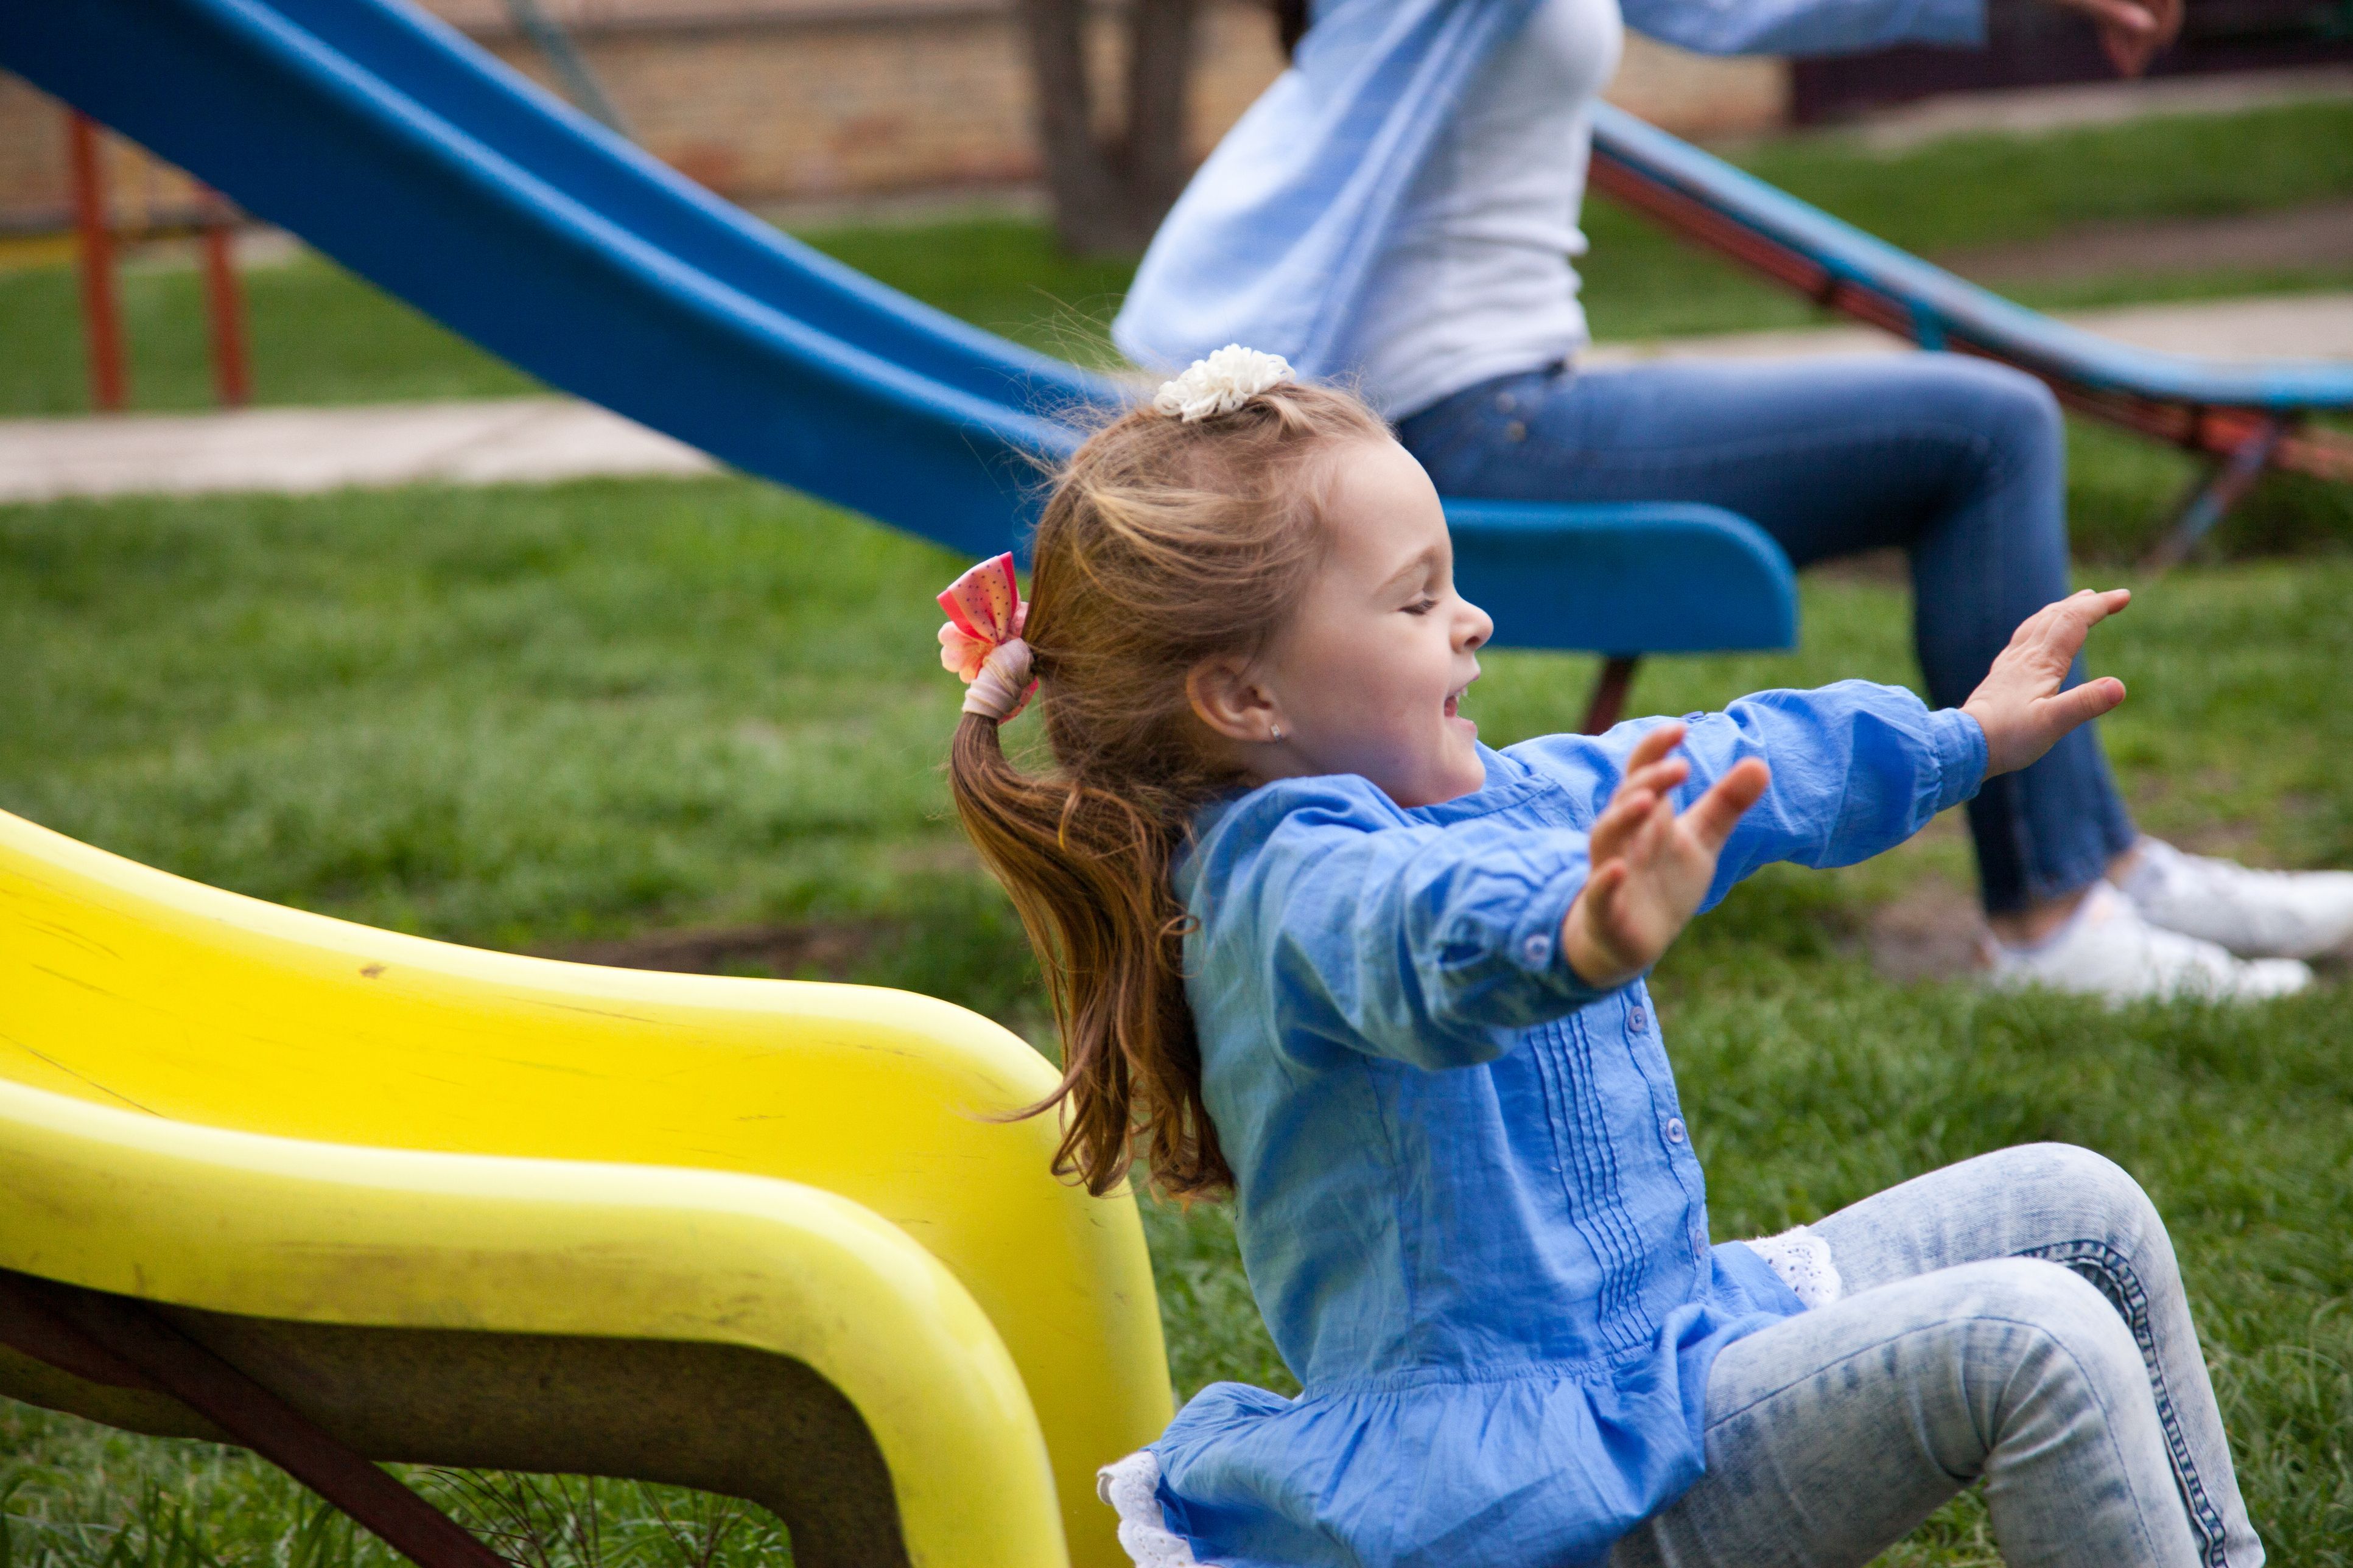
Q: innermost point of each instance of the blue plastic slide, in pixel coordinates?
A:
(391, 143)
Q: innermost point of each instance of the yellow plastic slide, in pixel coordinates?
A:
(764, 1238)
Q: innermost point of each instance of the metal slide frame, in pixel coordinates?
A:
(2243, 415)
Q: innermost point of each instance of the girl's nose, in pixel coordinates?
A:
(1477, 627)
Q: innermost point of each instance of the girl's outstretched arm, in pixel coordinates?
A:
(1652, 868)
(1324, 905)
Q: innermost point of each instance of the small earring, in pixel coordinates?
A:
(1274, 734)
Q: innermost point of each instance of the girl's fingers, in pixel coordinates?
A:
(1657, 823)
(1715, 813)
(2083, 704)
(1653, 745)
(1659, 777)
(1614, 830)
(2075, 617)
(1600, 896)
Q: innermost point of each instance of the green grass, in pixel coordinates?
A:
(78, 1493)
(516, 717)
(1987, 189)
(527, 717)
(320, 336)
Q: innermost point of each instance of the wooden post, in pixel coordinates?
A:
(224, 303)
(102, 314)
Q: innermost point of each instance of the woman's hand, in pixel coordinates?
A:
(1649, 867)
(2132, 31)
(2019, 704)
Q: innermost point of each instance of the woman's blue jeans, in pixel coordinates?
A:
(1960, 462)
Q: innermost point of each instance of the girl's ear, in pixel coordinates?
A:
(1226, 697)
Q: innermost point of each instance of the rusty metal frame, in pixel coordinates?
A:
(2246, 440)
(121, 1342)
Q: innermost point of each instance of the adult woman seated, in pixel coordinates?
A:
(1400, 209)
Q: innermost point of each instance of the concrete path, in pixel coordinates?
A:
(295, 451)
(541, 439)
(2283, 326)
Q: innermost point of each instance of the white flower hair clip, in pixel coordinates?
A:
(1221, 384)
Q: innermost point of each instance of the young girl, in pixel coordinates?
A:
(1311, 944)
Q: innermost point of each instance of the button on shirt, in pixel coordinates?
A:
(1465, 1195)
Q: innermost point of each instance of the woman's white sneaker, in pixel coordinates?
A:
(2106, 948)
(2255, 914)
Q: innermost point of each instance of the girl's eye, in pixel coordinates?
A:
(1422, 606)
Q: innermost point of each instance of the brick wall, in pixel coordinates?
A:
(775, 101)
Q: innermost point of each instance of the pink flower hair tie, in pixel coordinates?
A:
(981, 641)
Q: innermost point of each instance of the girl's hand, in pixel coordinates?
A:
(1650, 867)
(2019, 704)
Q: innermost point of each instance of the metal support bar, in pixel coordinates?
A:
(225, 304)
(1607, 703)
(580, 83)
(2211, 499)
(116, 1340)
(2322, 453)
(101, 311)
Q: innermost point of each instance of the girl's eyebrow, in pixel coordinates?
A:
(1419, 563)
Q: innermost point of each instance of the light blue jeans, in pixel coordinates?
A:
(1960, 462)
(2016, 1319)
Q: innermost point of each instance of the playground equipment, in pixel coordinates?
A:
(2246, 416)
(331, 1192)
(392, 144)
(102, 314)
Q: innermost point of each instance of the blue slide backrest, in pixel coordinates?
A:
(1663, 578)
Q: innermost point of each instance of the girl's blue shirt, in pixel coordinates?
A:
(1465, 1192)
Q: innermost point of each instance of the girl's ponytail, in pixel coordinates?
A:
(1173, 537)
(1088, 872)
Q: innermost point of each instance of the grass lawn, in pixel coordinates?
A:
(538, 718)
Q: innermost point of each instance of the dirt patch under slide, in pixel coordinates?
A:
(828, 951)
(1929, 933)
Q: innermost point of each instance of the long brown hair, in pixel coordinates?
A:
(1164, 544)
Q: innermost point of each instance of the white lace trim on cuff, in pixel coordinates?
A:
(1132, 1485)
(1803, 1259)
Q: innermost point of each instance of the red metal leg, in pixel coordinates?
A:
(101, 315)
(2211, 499)
(115, 1341)
(1607, 703)
(225, 305)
